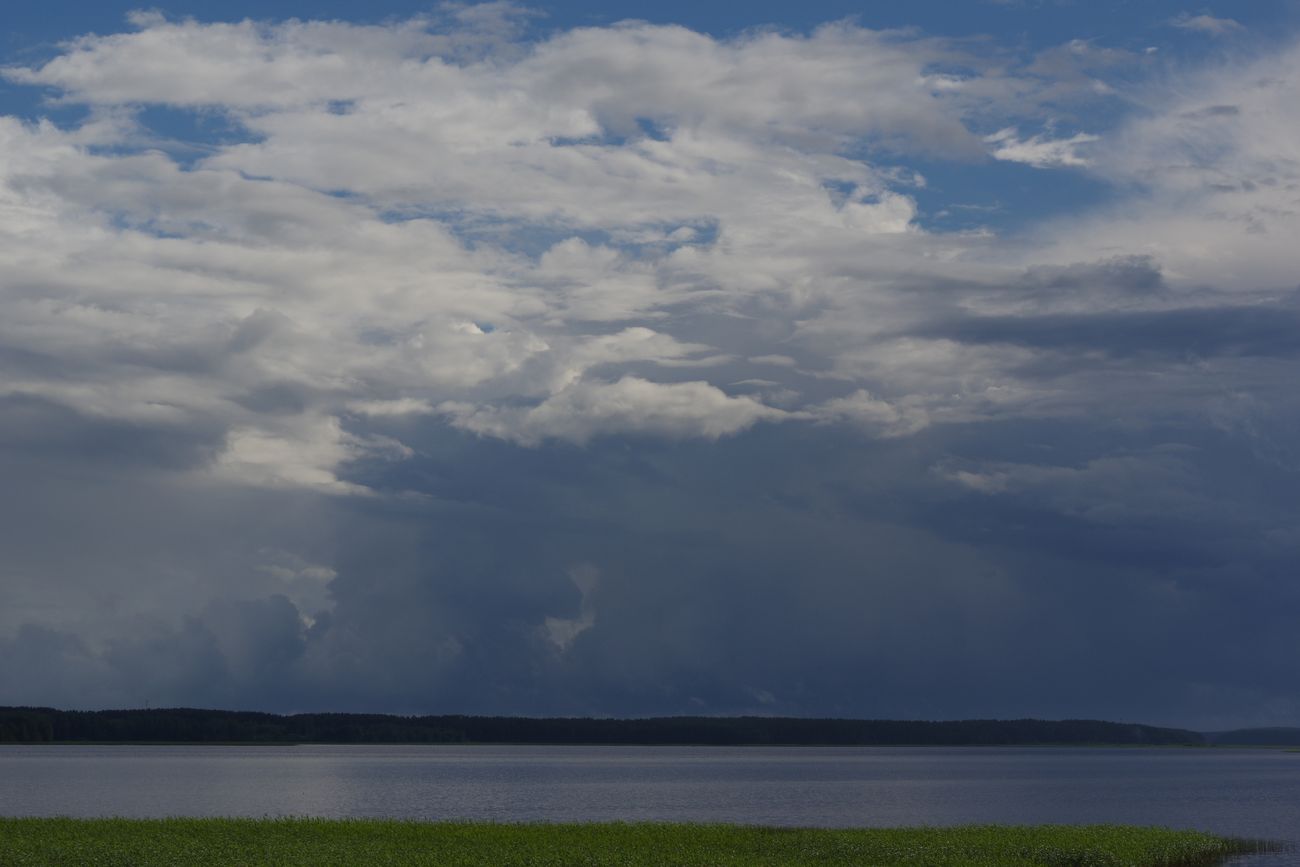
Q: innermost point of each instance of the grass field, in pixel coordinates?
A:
(110, 842)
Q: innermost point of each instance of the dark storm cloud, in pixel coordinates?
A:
(835, 586)
(1271, 331)
(50, 430)
(848, 581)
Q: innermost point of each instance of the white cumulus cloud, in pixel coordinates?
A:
(1040, 151)
(628, 406)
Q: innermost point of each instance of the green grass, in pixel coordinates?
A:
(111, 842)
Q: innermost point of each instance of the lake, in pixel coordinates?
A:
(1240, 792)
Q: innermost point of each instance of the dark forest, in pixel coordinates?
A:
(189, 725)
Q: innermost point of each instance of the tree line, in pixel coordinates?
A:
(191, 725)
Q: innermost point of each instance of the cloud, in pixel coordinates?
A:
(1039, 151)
(1205, 333)
(305, 456)
(624, 370)
(874, 414)
(298, 65)
(379, 208)
(1207, 24)
(1212, 178)
(628, 406)
(401, 406)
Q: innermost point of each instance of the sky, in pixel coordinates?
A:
(930, 360)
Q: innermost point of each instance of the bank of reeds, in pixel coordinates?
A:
(319, 842)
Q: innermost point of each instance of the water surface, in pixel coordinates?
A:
(1247, 793)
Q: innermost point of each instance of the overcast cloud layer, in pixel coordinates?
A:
(435, 366)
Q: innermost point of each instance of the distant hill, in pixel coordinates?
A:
(190, 725)
(1262, 737)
